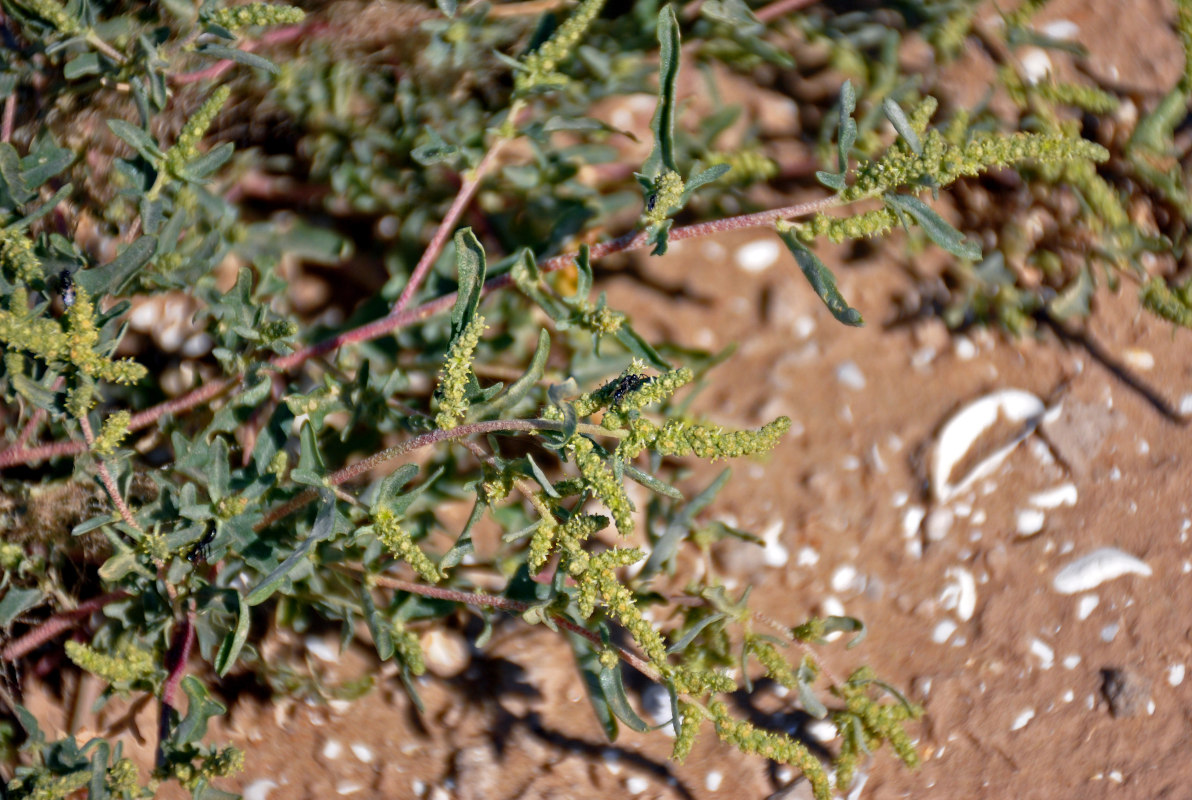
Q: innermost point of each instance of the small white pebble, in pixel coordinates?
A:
(321, 650)
(1064, 29)
(803, 326)
(964, 348)
(843, 578)
(347, 787)
(807, 557)
(943, 629)
(898, 499)
(1115, 776)
(418, 786)
(960, 593)
(822, 730)
(912, 518)
(979, 517)
(758, 256)
(1029, 521)
(850, 375)
(922, 357)
(832, 607)
(636, 785)
(712, 780)
(612, 761)
(1036, 65)
(1071, 661)
(1175, 674)
(774, 554)
(1085, 606)
(1110, 632)
(656, 703)
(939, 522)
(362, 752)
(1186, 405)
(1062, 495)
(259, 789)
(1024, 716)
(1043, 652)
(1068, 696)
(332, 749)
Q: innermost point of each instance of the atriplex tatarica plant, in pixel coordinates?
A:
(279, 473)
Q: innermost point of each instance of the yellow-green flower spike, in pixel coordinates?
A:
(56, 14)
(16, 254)
(256, 15)
(600, 479)
(127, 664)
(186, 146)
(115, 428)
(541, 65)
(668, 193)
(398, 542)
(775, 746)
(453, 380)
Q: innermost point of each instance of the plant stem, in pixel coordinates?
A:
(386, 325)
(418, 442)
(467, 191)
(176, 659)
(512, 606)
(105, 477)
(57, 624)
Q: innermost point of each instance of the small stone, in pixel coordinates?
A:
(1126, 691)
(446, 652)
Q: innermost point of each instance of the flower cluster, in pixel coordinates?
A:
(540, 67)
(186, 146)
(124, 666)
(453, 380)
(256, 15)
(16, 255)
(398, 541)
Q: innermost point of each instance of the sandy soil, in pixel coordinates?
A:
(1022, 683)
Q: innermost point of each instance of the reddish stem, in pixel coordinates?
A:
(10, 116)
(396, 321)
(176, 660)
(105, 477)
(466, 191)
(777, 9)
(56, 625)
(513, 606)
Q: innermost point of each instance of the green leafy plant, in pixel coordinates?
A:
(285, 469)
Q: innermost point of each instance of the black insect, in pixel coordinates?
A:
(202, 549)
(651, 201)
(627, 384)
(67, 287)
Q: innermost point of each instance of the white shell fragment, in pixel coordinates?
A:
(1093, 569)
(1024, 716)
(963, 430)
(960, 594)
(1062, 495)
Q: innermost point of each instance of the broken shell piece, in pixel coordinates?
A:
(962, 431)
(1095, 568)
(960, 594)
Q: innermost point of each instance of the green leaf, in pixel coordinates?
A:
(16, 602)
(80, 65)
(662, 157)
(390, 489)
(323, 528)
(936, 227)
(205, 165)
(233, 643)
(902, 125)
(652, 483)
(378, 626)
(114, 276)
(1075, 300)
(239, 56)
(689, 635)
(38, 395)
(435, 151)
(463, 544)
(137, 139)
(201, 708)
(10, 173)
(588, 661)
(518, 390)
(705, 177)
(44, 208)
(470, 266)
(639, 347)
(820, 277)
(448, 7)
(846, 132)
(47, 162)
(614, 694)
